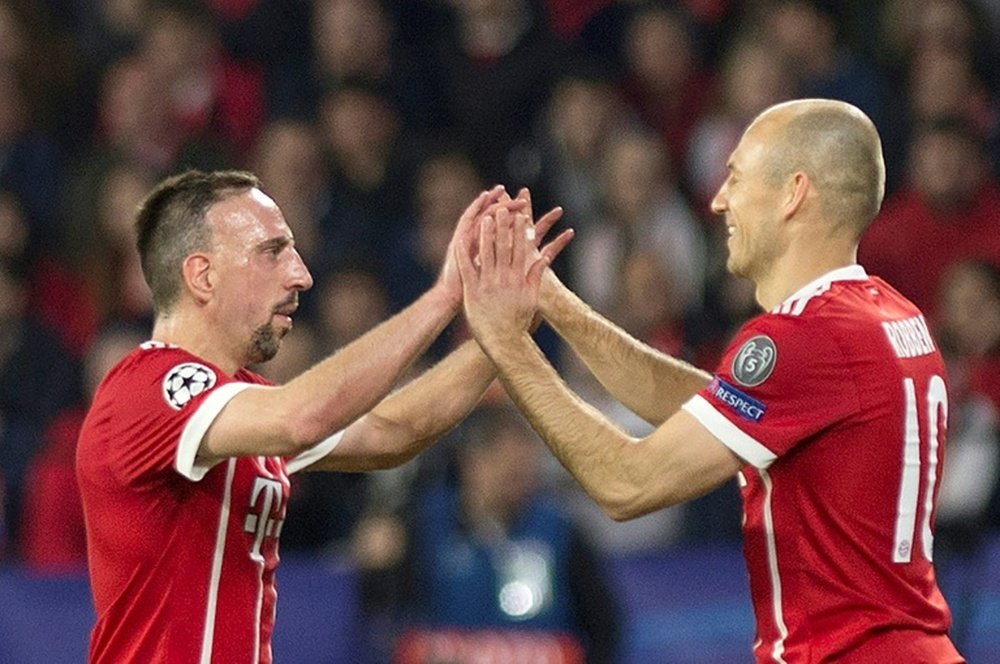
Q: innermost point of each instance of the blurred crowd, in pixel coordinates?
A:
(373, 123)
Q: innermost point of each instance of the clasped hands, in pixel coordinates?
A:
(501, 267)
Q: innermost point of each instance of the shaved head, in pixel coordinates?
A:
(837, 146)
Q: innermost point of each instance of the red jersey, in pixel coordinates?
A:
(182, 554)
(838, 403)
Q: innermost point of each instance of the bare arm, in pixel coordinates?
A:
(410, 419)
(289, 419)
(627, 477)
(651, 384)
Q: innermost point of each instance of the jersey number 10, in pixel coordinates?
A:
(935, 409)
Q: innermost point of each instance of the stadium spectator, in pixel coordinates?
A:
(823, 479)
(38, 378)
(494, 552)
(585, 112)
(969, 501)
(53, 538)
(496, 62)
(445, 178)
(370, 165)
(752, 76)
(948, 210)
(665, 79)
(645, 209)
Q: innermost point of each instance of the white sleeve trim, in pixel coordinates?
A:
(730, 435)
(186, 461)
(315, 453)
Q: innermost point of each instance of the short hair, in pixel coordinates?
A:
(838, 147)
(170, 224)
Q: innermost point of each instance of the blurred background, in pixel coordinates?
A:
(373, 123)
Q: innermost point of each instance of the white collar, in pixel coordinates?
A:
(853, 272)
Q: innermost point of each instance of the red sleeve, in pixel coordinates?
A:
(147, 406)
(781, 381)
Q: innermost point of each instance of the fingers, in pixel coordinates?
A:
(520, 239)
(504, 238)
(555, 247)
(463, 258)
(545, 224)
(487, 243)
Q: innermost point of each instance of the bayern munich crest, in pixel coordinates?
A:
(186, 381)
(754, 361)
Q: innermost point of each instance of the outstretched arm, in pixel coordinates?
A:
(406, 422)
(289, 419)
(651, 384)
(626, 476)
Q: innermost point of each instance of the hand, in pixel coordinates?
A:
(466, 232)
(541, 228)
(501, 294)
(545, 224)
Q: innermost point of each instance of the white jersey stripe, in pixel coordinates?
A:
(186, 460)
(257, 611)
(730, 435)
(315, 453)
(796, 303)
(778, 649)
(208, 635)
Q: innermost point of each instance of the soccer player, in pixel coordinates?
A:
(185, 456)
(830, 408)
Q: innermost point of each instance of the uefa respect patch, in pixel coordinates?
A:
(186, 381)
(737, 400)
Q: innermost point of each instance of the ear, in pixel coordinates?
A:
(796, 191)
(199, 277)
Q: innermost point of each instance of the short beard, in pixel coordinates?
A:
(264, 344)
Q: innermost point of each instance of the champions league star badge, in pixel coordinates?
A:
(186, 381)
(754, 361)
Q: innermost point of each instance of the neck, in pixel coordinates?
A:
(195, 336)
(794, 270)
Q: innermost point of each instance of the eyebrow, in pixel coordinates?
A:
(274, 243)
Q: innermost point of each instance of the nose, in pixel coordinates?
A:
(719, 203)
(300, 279)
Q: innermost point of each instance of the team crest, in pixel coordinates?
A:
(185, 382)
(754, 361)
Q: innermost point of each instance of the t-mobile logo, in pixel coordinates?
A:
(265, 513)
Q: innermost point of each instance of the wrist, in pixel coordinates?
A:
(448, 298)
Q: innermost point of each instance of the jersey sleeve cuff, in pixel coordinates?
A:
(742, 444)
(315, 453)
(187, 462)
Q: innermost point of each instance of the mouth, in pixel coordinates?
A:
(285, 310)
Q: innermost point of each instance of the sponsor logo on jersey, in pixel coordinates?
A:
(754, 361)
(737, 400)
(186, 381)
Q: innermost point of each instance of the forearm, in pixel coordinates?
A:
(607, 462)
(329, 396)
(353, 380)
(409, 420)
(651, 384)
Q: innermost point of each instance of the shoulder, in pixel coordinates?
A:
(167, 372)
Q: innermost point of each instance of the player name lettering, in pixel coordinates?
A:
(909, 337)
